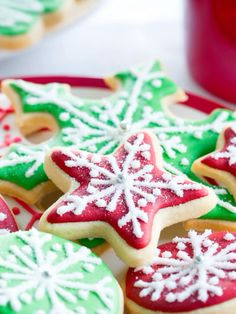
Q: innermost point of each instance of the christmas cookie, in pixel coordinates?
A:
(85, 124)
(193, 275)
(126, 197)
(7, 220)
(26, 215)
(43, 274)
(220, 165)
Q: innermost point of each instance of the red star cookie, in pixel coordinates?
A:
(193, 275)
(7, 221)
(220, 165)
(126, 197)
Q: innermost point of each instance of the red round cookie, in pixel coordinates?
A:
(186, 274)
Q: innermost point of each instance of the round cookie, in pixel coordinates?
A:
(125, 197)
(194, 275)
(43, 274)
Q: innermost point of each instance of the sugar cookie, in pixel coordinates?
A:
(43, 274)
(77, 122)
(125, 197)
(191, 275)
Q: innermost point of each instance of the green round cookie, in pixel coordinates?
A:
(44, 274)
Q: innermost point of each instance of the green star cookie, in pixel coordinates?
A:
(43, 274)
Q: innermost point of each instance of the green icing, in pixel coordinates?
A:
(101, 125)
(18, 17)
(41, 273)
(91, 243)
(51, 5)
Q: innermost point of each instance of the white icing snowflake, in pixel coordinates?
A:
(31, 274)
(229, 153)
(185, 276)
(116, 118)
(128, 181)
(25, 155)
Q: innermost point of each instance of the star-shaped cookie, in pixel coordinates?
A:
(125, 197)
(220, 165)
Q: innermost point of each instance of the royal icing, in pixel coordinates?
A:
(43, 274)
(7, 221)
(100, 126)
(225, 158)
(25, 215)
(125, 189)
(190, 273)
(18, 17)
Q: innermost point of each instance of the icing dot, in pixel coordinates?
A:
(2, 216)
(157, 192)
(184, 162)
(147, 95)
(170, 297)
(6, 127)
(156, 83)
(197, 134)
(16, 211)
(232, 275)
(124, 125)
(207, 243)
(229, 237)
(135, 164)
(181, 246)
(64, 116)
(184, 281)
(56, 247)
(96, 159)
(94, 173)
(157, 276)
(101, 203)
(166, 254)
(91, 189)
(142, 202)
(214, 280)
(171, 285)
(146, 155)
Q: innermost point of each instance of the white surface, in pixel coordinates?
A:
(121, 33)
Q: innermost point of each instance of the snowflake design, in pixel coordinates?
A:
(189, 274)
(25, 155)
(229, 153)
(131, 182)
(37, 275)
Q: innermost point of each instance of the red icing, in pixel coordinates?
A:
(95, 213)
(36, 215)
(16, 211)
(222, 163)
(6, 127)
(9, 222)
(192, 303)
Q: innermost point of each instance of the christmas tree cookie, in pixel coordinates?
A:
(196, 274)
(125, 197)
(43, 274)
(77, 122)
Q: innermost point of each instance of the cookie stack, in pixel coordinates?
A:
(126, 168)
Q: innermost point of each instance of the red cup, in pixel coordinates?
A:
(211, 45)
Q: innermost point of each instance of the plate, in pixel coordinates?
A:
(94, 88)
